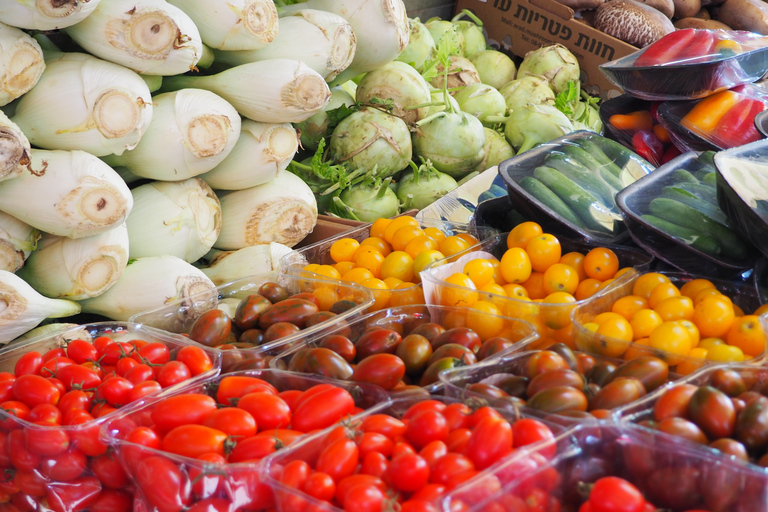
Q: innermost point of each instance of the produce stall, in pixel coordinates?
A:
(371, 256)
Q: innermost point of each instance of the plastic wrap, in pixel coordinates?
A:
(232, 485)
(499, 214)
(549, 319)
(458, 205)
(686, 243)
(293, 263)
(749, 379)
(459, 384)
(634, 123)
(760, 278)
(721, 121)
(404, 319)
(671, 474)
(180, 316)
(289, 499)
(68, 468)
(691, 64)
(741, 294)
(742, 190)
(586, 171)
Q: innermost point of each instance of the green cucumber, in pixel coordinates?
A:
(707, 158)
(705, 192)
(702, 242)
(691, 218)
(683, 176)
(612, 181)
(705, 207)
(589, 161)
(710, 179)
(585, 177)
(608, 160)
(580, 201)
(540, 191)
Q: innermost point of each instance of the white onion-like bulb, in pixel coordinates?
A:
(45, 14)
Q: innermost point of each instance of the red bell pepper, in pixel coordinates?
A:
(737, 126)
(665, 49)
(679, 46)
(647, 145)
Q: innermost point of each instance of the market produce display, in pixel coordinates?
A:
(593, 342)
(560, 381)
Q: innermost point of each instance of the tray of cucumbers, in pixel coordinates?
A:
(573, 180)
(673, 213)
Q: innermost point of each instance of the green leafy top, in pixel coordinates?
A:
(336, 115)
(564, 100)
(447, 46)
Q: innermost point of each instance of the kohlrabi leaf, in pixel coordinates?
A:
(564, 100)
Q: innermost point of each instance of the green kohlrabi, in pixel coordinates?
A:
(372, 138)
(494, 67)
(367, 201)
(421, 45)
(317, 126)
(471, 32)
(527, 90)
(496, 148)
(556, 63)
(423, 186)
(530, 125)
(401, 83)
(482, 101)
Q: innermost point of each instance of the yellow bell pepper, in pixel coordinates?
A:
(706, 114)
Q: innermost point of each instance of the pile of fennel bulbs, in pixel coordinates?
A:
(404, 134)
(144, 143)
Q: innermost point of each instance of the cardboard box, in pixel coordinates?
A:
(519, 26)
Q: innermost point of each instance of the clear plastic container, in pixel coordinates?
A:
(180, 316)
(586, 171)
(458, 206)
(289, 499)
(639, 131)
(742, 295)
(671, 474)
(721, 121)
(233, 485)
(742, 190)
(760, 278)
(67, 464)
(682, 180)
(319, 253)
(754, 378)
(458, 384)
(405, 318)
(551, 320)
(690, 64)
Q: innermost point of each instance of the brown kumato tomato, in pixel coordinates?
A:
(212, 328)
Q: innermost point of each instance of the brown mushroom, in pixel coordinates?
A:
(700, 23)
(632, 22)
(749, 15)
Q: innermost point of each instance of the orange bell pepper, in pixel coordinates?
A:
(706, 114)
(632, 122)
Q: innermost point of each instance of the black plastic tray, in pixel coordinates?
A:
(760, 279)
(744, 218)
(518, 167)
(623, 104)
(686, 81)
(670, 113)
(633, 202)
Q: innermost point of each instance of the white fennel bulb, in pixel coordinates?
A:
(228, 266)
(283, 210)
(45, 14)
(21, 63)
(268, 91)
(180, 218)
(381, 28)
(81, 102)
(322, 40)
(77, 268)
(148, 36)
(17, 241)
(72, 194)
(234, 24)
(192, 131)
(22, 308)
(149, 283)
(14, 149)
(262, 152)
